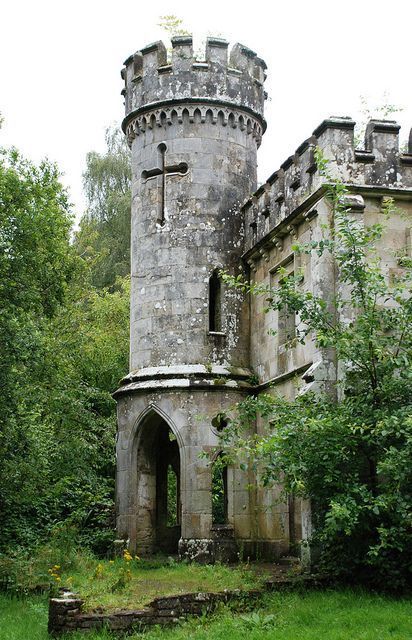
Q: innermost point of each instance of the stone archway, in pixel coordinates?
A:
(157, 490)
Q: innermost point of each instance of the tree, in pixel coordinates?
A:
(85, 356)
(104, 234)
(351, 458)
(36, 266)
(63, 350)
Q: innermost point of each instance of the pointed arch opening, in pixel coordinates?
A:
(158, 494)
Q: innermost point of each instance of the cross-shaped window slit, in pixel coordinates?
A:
(160, 172)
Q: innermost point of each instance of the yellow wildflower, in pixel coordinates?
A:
(127, 556)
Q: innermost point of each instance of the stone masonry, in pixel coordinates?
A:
(194, 128)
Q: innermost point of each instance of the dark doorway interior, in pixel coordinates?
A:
(168, 506)
(158, 503)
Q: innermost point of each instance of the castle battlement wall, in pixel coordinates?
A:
(226, 80)
(291, 188)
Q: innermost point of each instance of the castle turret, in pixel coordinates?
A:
(194, 128)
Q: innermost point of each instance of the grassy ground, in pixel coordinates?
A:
(327, 615)
(131, 584)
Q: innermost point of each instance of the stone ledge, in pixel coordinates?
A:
(194, 376)
(185, 370)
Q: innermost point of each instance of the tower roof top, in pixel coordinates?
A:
(234, 78)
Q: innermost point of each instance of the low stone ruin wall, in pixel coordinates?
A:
(65, 613)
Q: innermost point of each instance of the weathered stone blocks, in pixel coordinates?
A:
(194, 128)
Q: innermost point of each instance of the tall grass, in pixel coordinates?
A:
(315, 615)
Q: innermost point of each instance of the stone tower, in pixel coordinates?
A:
(194, 128)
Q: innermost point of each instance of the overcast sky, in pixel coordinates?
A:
(60, 67)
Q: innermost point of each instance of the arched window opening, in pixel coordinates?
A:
(219, 491)
(172, 498)
(215, 303)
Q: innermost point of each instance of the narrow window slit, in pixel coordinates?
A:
(215, 303)
(219, 492)
(172, 497)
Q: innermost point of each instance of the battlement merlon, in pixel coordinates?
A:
(380, 166)
(232, 79)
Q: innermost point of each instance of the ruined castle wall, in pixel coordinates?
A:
(194, 128)
(270, 357)
(291, 207)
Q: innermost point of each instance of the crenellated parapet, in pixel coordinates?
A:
(226, 88)
(291, 190)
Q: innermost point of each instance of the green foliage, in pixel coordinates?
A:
(130, 582)
(172, 493)
(258, 620)
(350, 458)
(103, 238)
(172, 25)
(23, 572)
(218, 491)
(36, 266)
(65, 472)
(64, 347)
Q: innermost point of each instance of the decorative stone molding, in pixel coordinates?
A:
(194, 112)
(198, 376)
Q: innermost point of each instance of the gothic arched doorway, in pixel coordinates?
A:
(158, 504)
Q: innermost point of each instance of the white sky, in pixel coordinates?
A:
(60, 67)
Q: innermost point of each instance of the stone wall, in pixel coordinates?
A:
(65, 613)
(292, 191)
(291, 208)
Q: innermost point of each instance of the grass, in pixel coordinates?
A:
(100, 583)
(314, 615)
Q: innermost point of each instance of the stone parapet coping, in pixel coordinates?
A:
(195, 376)
(186, 370)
